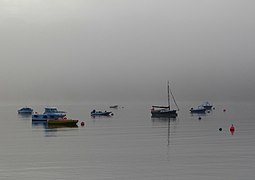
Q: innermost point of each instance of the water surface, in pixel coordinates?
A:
(130, 145)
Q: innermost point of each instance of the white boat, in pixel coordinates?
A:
(207, 105)
(50, 113)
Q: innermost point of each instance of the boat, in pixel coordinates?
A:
(51, 113)
(114, 106)
(101, 113)
(62, 122)
(198, 110)
(25, 110)
(165, 111)
(53, 124)
(207, 105)
(54, 110)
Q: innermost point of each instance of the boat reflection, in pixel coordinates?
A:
(54, 126)
(24, 116)
(51, 130)
(170, 123)
(162, 120)
(198, 114)
(38, 124)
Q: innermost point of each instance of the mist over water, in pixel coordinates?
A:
(76, 51)
(83, 55)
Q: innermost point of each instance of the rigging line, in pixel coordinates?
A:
(174, 100)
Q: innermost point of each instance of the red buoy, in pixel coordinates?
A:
(232, 129)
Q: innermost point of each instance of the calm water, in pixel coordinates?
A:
(130, 145)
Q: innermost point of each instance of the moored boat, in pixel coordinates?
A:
(199, 109)
(25, 110)
(160, 111)
(66, 122)
(165, 111)
(54, 110)
(51, 113)
(207, 105)
(114, 106)
(101, 113)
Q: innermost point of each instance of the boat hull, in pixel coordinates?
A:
(159, 113)
(198, 111)
(25, 111)
(63, 122)
(208, 107)
(101, 113)
(114, 106)
(45, 117)
(54, 125)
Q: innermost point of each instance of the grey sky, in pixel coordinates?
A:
(111, 50)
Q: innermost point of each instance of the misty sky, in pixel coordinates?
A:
(125, 50)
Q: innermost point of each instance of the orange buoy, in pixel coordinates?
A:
(82, 123)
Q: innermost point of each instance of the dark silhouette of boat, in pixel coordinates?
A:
(25, 110)
(165, 111)
(114, 106)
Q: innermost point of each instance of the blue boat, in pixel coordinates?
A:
(198, 110)
(101, 113)
(50, 113)
(25, 110)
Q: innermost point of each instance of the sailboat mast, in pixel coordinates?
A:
(168, 89)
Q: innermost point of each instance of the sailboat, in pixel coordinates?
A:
(165, 111)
